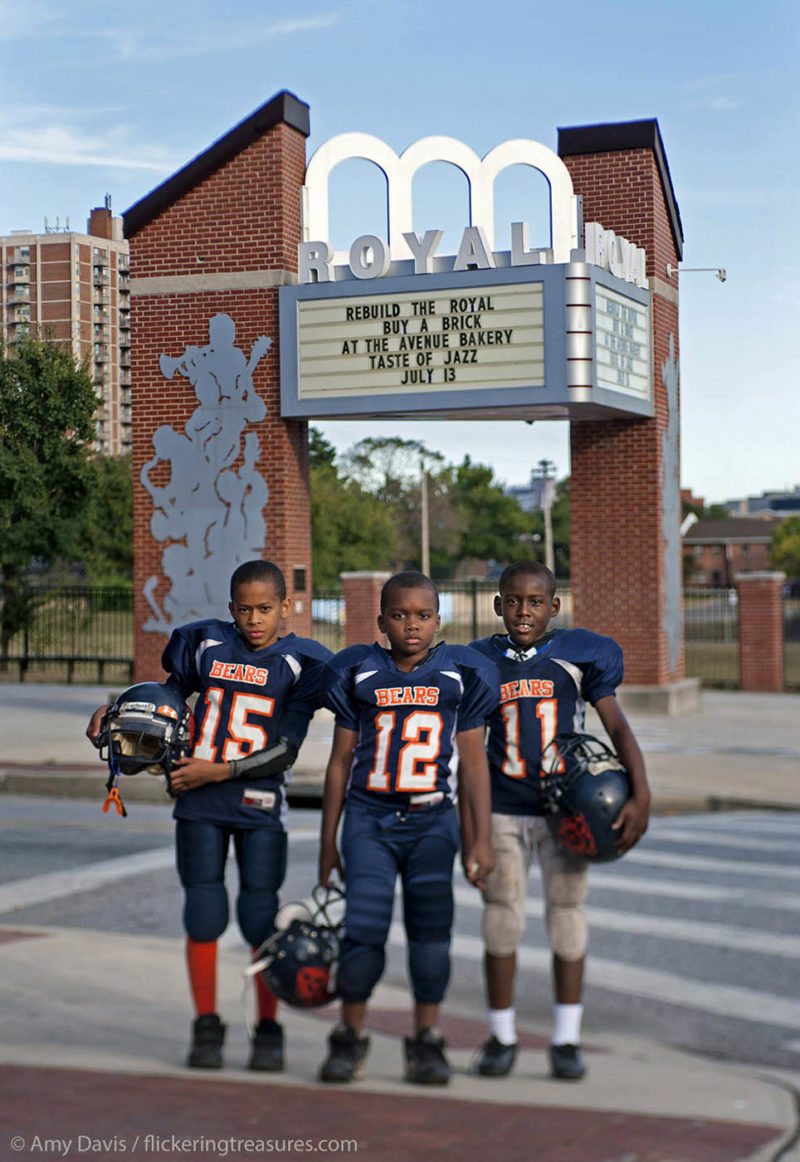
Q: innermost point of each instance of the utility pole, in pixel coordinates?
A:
(544, 472)
(426, 547)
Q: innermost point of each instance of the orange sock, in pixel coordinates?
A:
(266, 1002)
(201, 960)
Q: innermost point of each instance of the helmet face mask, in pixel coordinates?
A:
(299, 961)
(148, 727)
(584, 787)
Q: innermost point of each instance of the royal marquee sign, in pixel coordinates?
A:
(393, 327)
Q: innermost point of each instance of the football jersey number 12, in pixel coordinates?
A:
(410, 775)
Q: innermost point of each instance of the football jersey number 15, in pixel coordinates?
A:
(242, 736)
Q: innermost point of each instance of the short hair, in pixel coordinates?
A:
(259, 571)
(534, 567)
(409, 579)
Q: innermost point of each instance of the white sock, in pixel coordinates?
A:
(501, 1025)
(567, 1024)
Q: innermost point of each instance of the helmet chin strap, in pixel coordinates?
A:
(113, 795)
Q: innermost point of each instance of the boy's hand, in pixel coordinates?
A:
(477, 862)
(95, 722)
(329, 862)
(188, 773)
(631, 823)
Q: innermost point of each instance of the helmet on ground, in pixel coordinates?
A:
(584, 787)
(147, 729)
(298, 962)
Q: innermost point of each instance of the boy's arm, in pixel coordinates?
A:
(633, 818)
(188, 773)
(477, 856)
(336, 776)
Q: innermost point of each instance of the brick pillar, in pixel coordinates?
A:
(362, 603)
(219, 477)
(624, 487)
(761, 631)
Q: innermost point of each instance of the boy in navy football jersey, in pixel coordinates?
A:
(406, 718)
(546, 680)
(257, 693)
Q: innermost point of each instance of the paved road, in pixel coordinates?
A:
(694, 936)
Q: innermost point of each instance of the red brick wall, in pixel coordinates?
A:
(362, 598)
(243, 217)
(761, 642)
(617, 539)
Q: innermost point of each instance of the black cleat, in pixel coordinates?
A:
(208, 1035)
(426, 1063)
(346, 1055)
(266, 1047)
(566, 1062)
(496, 1059)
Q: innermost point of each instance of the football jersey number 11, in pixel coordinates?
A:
(546, 712)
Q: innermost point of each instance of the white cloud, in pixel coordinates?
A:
(135, 45)
(55, 145)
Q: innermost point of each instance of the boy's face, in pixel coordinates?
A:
(410, 622)
(526, 606)
(257, 610)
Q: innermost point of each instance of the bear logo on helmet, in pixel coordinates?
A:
(584, 786)
(299, 960)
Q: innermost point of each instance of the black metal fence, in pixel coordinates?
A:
(80, 634)
(85, 634)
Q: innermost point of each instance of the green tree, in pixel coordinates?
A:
(350, 528)
(391, 470)
(493, 526)
(47, 405)
(102, 534)
(785, 549)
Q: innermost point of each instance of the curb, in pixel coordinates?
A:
(77, 781)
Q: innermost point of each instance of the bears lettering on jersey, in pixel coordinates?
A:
(526, 688)
(407, 696)
(234, 672)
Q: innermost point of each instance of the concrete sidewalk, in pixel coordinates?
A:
(95, 1031)
(95, 1028)
(737, 750)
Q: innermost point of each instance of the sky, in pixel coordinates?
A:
(111, 97)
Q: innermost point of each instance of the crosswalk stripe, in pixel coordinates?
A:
(716, 839)
(643, 855)
(58, 885)
(687, 931)
(734, 823)
(618, 882)
(721, 1000)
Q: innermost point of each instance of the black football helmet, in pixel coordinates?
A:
(584, 786)
(298, 962)
(147, 729)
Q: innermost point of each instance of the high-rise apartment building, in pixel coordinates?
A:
(76, 288)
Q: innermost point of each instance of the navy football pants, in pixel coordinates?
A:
(377, 846)
(201, 850)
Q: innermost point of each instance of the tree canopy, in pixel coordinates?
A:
(367, 511)
(785, 549)
(47, 406)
